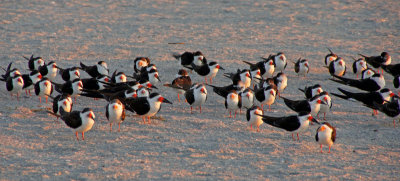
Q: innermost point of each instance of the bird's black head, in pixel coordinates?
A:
(198, 53)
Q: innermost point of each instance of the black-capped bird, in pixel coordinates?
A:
(115, 113)
(95, 70)
(295, 123)
(326, 135)
(79, 121)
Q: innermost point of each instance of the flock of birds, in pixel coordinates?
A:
(251, 89)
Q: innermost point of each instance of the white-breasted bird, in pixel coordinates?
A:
(254, 118)
(115, 113)
(326, 135)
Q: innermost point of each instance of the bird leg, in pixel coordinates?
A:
(17, 96)
(26, 92)
(119, 126)
(235, 114)
(191, 110)
(200, 109)
(394, 123)
(83, 136)
(258, 128)
(321, 148)
(329, 149)
(230, 114)
(298, 139)
(269, 108)
(251, 127)
(148, 119)
(76, 134)
(262, 106)
(293, 137)
(40, 100)
(110, 127)
(29, 92)
(144, 121)
(205, 78)
(324, 116)
(46, 98)
(210, 80)
(179, 100)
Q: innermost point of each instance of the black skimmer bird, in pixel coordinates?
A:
(143, 92)
(43, 88)
(312, 91)
(30, 80)
(95, 70)
(146, 106)
(330, 57)
(391, 109)
(325, 108)
(115, 113)
(394, 70)
(372, 84)
(367, 98)
(377, 61)
(79, 121)
(326, 135)
(206, 70)
(247, 98)
(280, 81)
(255, 76)
(14, 85)
(265, 95)
(10, 72)
(311, 106)
(267, 82)
(243, 75)
(118, 77)
(196, 96)
(266, 66)
(337, 67)
(295, 123)
(186, 59)
(279, 61)
(359, 65)
(367, 73)
(140, 62)
(144, 75)
(73, 88)
(182, 81)
(69, 74)
(49, 70)
(63, 101)
(34, 62)
(301, 67)
(254, 118)
(95, 83)
(111, 95)
(233, 102)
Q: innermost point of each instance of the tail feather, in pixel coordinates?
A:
(302, 90)
(176, 55)
(83, 66)
(249, 63)
(340, 96)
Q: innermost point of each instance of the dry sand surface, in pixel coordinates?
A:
(208, 146)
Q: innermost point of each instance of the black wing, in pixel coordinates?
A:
(189, 95)
(139, 105)
(290, 123)
(72, 119)
(298, 106)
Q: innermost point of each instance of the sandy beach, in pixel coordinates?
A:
(178, 145)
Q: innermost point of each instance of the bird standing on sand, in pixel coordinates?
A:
(295, 123)
(326, 135)
(115, 113)
(301, 67)
(254, 118)
(79, 121)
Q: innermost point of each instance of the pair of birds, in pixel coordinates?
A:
(197, 62)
